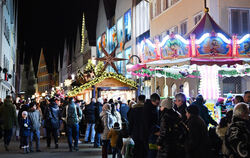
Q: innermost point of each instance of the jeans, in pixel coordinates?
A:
(90, 127)
(97, 142)
(105, 148)
(35, 135)
(24, 141)
(54, 133)
(73, 131)
(116, 151)
(7, 136)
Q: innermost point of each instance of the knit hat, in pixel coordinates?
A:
(116, 125)
(25, 113)
(193, 110)
(229, 95)
(167, 103)
(220, 100)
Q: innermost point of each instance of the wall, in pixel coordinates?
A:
(174, 15)
(224, 10)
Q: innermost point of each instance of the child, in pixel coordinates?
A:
(114, 134)
(25, 131)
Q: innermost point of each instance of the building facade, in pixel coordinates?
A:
(8, 45)
(44, 79)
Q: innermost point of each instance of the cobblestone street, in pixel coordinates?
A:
(85, 150)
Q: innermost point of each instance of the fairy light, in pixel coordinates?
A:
(203, 37)
(243, 38)
(228, 41)
(83, 29)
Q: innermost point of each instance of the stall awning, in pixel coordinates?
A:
(169, 63)
(216, 61)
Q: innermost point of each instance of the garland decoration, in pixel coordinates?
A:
(99, 79)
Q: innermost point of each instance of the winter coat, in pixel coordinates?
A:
(35, 119)
(25, 127)
(108, 123)
(8, 115)
(124, 110)
(238, 138)
(221, 132)
(151, 119)
(113, 135)
(98, 110)
(204, 113)
(52, 116)
(182, 111)
(136, 126)
(169, 139)
(197, 140)
(90, 113)
(72, 114)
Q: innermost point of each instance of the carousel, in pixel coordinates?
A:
(202, 62)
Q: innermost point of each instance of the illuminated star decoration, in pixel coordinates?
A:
(109, 59)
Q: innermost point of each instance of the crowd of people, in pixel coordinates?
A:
(148, 128)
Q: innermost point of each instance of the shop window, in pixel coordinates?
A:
(174, 89)
(239, 21)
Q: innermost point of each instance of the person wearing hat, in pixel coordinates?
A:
(197, 140)
(35, 119)
(229, 101)
(171, 127)
(25, 125)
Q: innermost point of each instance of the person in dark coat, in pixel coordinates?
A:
(98, 110)
(237, 137)
(136, 128)
(169, 143)
(203, 110)
(9, 120)
(124, 110)
(181, 105)
(90, 119)
(52, 120)
(151, 123)
(247, 97)
(197, 144)
(25, 127)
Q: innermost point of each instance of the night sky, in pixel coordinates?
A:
(47, 23)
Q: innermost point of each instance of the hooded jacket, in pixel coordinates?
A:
(52, 116)
(73, 113)
(8, 115)
(113, 135)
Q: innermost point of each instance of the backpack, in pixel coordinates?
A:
(99, 126)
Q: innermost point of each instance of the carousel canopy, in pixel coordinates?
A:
(206, 24)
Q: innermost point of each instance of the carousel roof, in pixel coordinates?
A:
(206, 25)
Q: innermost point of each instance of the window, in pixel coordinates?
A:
(184, 28)
(173, 30)
(171, 2)
(154, 8)
(239, 21)
(197, 18)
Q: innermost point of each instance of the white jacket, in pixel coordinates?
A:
(108, 123)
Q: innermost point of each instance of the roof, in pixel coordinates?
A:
(104, 76)
(206, 25)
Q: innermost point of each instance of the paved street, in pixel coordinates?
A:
(85, 150)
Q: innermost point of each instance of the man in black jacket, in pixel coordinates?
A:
(98, 110)
(136, 128)
(90, 118)
(52, 120)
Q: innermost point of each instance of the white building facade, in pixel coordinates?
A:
(8, 45)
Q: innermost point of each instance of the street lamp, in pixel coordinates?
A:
(73, 76)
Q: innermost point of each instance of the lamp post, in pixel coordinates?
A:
(129, 65)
